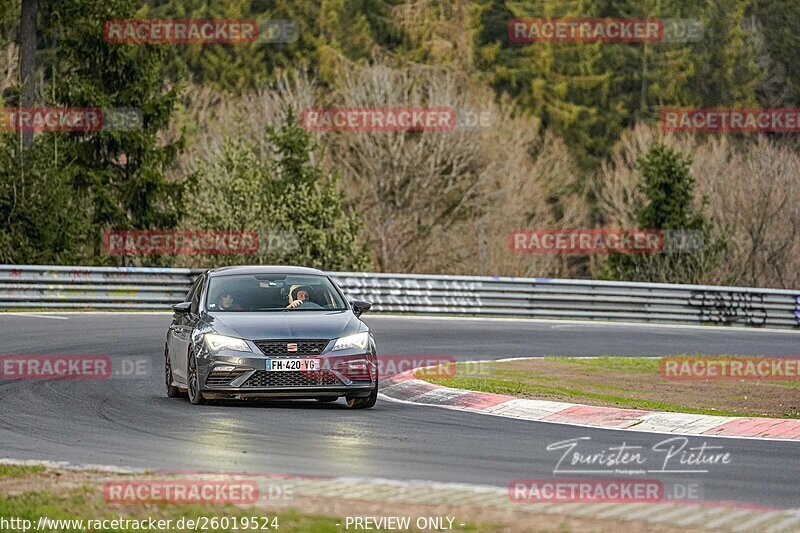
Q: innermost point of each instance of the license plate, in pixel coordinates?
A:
(287, 365)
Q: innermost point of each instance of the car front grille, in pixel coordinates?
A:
(262, 378)
(217, 378)
(304, 347)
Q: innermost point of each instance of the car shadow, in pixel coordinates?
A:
(338, 405)
(281, 404)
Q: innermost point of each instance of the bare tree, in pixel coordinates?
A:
(446, 201)
(9, 61)
(753, 194)
(220, 117)
(432, 201)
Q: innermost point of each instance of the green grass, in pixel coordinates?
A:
(528, 390)
(594, 383)
(84, 503)
(9, 471)
(630, 365)
(80, 504)
(640, 365)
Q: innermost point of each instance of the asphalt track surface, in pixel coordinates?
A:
(132, 423)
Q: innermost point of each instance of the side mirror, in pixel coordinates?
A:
(360, 306)
(182, 308)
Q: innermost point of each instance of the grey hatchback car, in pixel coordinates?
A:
(270, 332)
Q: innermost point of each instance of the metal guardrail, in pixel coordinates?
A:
(59, 287)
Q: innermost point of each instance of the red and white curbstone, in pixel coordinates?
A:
(406, 388)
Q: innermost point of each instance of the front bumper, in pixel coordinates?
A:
(244, 375)
(294, 393)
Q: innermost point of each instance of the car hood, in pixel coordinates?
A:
(286, 324)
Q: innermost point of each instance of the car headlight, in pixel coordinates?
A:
(359, 340)
(216, 343)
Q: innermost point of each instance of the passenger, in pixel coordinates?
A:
(225, 302)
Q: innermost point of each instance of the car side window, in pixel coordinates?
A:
(198, 290)
(192, 289)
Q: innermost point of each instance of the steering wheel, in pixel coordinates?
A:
(309, 305)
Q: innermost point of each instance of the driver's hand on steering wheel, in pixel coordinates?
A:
(295, 303)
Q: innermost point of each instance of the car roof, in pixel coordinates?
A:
(262, 269)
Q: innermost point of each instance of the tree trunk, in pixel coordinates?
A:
(27, 60)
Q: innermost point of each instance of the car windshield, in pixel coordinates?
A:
(272, 292)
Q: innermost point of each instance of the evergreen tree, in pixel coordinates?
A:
(310, 204)
(569, 86)
(229, 67)
(291, 197)
(652, 75)
(327, 32)
(122, 171)
(44, 217)
(669, 189)
(504, 65)
(778, 24)
(590, 92)
(725, 73)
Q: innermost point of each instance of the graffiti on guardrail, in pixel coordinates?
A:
(730, 307)
(391, 283)
(430, 300)
(27, 286)
(19, 274)
(797, 310)
(79, 274)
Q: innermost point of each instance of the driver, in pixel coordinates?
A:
(302, 296)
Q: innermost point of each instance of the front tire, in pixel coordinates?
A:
(193, 381)
(172, 390)
(364, 403)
